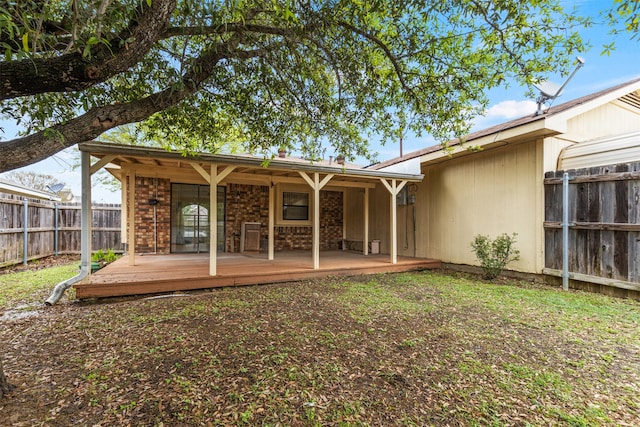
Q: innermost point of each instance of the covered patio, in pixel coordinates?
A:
(179, 272)
(343, 206)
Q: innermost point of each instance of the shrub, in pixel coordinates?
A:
(97, 255)
(101, 256)
(110, 256)
(494, 255)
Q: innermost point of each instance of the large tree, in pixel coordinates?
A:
(267, 73)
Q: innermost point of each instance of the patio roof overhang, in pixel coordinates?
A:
(245, 168)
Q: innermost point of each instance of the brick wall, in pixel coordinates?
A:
(144, 215)
(245, 203)
(292, 238)
(331, 217)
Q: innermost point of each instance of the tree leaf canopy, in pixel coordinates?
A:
(266, 74)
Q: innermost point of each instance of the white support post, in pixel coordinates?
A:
(213, 220)
(394, 188)
(272, 214)
(131, 239)
(86, 225)
(344, 219)
(394, 224)
(56, 227)
(123, 213)
(25, 231)
(365, 243)
(316, 184)
(316, 221)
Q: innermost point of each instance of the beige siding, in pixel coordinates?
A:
(354, 213)
(379, 217)
(493, 192)
(552, 149)
(609, 119)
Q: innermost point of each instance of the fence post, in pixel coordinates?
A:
(25, 244)
(565, 231)
(55, 229)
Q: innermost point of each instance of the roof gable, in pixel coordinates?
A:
(552, 121)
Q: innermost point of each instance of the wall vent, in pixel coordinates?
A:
(632, 100)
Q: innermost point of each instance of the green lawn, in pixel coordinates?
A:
(423, 348)
(32, 286)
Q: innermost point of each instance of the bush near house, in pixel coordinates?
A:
(105, 257)
(101, 258)
(494, 255)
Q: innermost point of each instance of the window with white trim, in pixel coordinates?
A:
(295, 206)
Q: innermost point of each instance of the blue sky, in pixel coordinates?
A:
(599, 72)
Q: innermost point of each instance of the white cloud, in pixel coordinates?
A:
(511, 110)
(503, 112)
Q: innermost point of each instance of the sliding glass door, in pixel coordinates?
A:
(190, 218)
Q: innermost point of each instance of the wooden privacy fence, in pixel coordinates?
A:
(604, 224)
(45, 236)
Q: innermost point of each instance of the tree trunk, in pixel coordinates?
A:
(5, 387)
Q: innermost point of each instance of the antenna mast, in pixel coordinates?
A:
(549, 90)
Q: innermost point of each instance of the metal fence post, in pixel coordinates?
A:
(25, 248)
(565, 231)
(55, 229)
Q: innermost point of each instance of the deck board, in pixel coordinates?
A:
(178, 272)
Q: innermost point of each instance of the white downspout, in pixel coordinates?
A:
(85, 234)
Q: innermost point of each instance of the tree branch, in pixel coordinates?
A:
(392, 58)
(236, 26)
(71, 72)
(41, 145)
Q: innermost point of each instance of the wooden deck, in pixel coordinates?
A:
(179, 272)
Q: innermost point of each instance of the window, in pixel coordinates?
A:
(295, 206)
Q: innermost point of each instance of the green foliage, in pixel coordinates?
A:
(255, 74)
(494, 255)
(624, 16)
(97, 255)
(107, 256)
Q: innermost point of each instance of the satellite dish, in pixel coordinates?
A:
(55, 188)
(549, 90)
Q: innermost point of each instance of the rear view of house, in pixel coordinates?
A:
(502, 188)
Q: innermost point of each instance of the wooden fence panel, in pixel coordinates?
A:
(634, 236)
(106, 227)
(10, 225)
(604, 217)
(41, 226)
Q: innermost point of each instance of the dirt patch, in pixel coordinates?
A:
(407, 349)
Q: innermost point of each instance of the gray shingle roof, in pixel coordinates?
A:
(505, 126)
